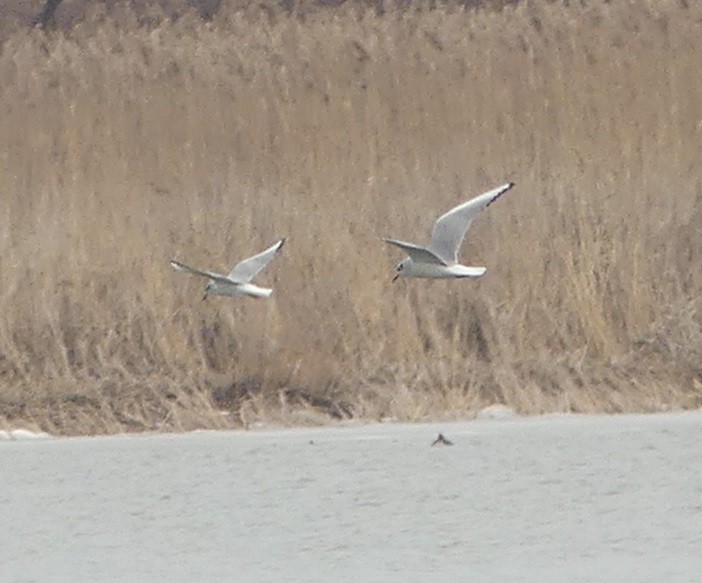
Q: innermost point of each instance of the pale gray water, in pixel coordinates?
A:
(559, 499)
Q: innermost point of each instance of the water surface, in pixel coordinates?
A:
(558, 498)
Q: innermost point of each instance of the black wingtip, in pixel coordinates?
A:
(499, 195)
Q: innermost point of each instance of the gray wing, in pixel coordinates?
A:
(213, 276)
(451, 227)
(418, 254)
(249, 268)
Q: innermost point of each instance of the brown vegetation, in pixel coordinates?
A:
(123, 145)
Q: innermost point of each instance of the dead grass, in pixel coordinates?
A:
(124, 145)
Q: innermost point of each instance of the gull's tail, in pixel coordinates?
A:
(255, 291)
(464, 271)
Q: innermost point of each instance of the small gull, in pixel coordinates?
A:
(238, 282)
(440, 258)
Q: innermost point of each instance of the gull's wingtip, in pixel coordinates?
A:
(499, 191)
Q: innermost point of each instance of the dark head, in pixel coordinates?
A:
(399, 270)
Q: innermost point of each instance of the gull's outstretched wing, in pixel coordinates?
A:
(213, 276)
(249, 268)
(451, 227)
(418, 254)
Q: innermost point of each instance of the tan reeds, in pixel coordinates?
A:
(123, 146)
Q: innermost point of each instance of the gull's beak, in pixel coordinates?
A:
(205, 296)
(394, 279)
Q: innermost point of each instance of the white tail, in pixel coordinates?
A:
(252, 290)
(463, 271)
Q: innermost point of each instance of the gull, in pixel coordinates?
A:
(440, 258)
(238, 282)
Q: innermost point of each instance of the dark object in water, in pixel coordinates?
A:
(441, 440)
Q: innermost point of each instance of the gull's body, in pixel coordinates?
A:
(238, 282)
(439, 259)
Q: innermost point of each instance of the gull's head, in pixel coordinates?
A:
(400, 269)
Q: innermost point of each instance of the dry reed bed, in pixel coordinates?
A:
(123, 146)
